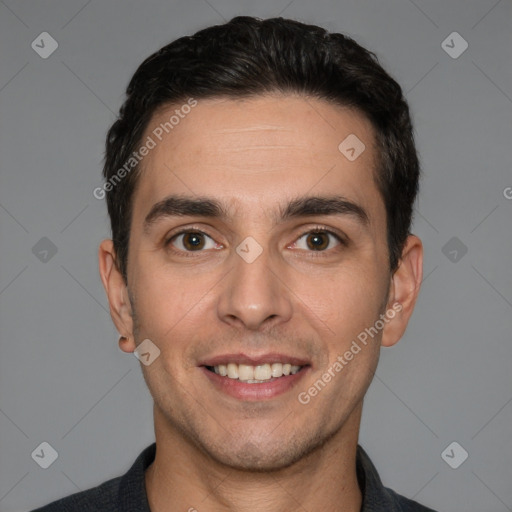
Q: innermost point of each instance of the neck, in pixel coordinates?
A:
(182, 477)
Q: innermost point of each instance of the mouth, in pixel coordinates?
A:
(253, 379)
(255, 374)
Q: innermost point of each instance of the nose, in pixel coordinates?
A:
(254, 294)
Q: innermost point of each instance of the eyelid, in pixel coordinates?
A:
(330, 231)
(187, 229)
(341, 238)
(325, 253)
(167, 242)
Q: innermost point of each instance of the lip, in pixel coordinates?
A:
(254, 360)
(254, 392)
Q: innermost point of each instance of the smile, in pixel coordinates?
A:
(254, 374)
(255, 383)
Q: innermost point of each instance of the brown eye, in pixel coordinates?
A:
(318, 240)
(192, 241)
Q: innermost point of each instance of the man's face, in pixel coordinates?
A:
(209, 297)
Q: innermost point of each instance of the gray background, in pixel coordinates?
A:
(64, 379)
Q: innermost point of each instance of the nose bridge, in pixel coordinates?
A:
(253, 293)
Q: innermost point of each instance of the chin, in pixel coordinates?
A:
(266, 456)
(254, 459)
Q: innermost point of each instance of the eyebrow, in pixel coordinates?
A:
(308, 206)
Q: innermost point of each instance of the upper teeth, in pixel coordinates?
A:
(255, 373)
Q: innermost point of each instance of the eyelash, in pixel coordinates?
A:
(315, 230)
(320, 229)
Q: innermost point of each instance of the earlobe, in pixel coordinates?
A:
(404, 290)
(126, 344)
(117, 293)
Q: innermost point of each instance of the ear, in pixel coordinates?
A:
(117, 294)
(404, 290)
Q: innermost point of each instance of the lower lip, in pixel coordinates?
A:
(257, 391)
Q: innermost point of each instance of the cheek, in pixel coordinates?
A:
(345, 299)
(168, 304)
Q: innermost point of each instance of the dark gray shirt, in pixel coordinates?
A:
(127, 493)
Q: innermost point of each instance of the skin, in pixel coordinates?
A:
(216, 452)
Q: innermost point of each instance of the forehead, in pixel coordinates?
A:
(253, 153)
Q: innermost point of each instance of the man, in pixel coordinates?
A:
(260, 182)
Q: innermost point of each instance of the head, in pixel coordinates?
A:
(242, 125)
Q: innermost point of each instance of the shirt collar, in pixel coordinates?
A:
(376, 497)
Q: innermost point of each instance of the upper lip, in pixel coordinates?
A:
(254, 360)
